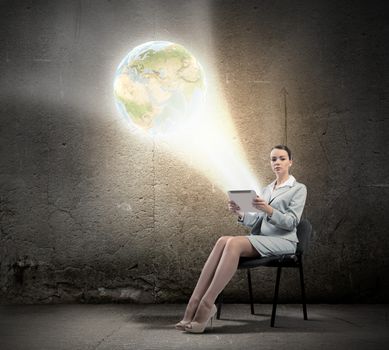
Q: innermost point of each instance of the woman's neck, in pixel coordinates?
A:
(281, 179)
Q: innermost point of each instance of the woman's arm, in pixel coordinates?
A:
(247, 219)
(289, 219)
(251, 219)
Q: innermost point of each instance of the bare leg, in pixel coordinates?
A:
(205, 278)
(235, 248)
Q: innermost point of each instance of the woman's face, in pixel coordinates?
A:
(280, 162)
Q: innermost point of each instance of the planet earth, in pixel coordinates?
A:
(159, 86)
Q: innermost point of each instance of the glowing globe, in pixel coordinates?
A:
(159, 87)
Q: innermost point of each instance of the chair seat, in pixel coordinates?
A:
(285, 260)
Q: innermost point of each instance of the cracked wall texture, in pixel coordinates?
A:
(91, 213)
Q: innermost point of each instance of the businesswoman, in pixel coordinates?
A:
(273, 232)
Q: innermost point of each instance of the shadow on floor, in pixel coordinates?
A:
(240, 326)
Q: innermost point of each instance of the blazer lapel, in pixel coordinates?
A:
(279, 192)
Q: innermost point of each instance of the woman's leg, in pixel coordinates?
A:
(235, 248)
(205, 278)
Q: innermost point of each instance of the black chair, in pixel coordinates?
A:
(304, 232)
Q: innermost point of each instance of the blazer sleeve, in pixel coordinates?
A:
(288, 219)
(251, 219)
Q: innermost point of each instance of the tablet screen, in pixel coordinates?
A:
(244, 199)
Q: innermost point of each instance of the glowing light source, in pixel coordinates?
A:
(160, 89)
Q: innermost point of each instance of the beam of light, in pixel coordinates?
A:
(165, 94)
(213, 149)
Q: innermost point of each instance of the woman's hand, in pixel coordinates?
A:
(261, 204)
(232, 206)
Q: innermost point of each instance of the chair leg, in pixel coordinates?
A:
(303, 290)
(273, 314)
(250, 291)
(219, 305)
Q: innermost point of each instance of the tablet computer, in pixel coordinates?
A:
(244, 199)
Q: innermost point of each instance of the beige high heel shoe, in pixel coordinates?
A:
(199, 327)
(181, 325)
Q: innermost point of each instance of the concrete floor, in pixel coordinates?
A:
(125, 326)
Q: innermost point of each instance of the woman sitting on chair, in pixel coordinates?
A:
(273, 232)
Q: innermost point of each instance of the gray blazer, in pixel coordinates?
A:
(288, 205)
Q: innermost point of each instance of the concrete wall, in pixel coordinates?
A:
(91, 213)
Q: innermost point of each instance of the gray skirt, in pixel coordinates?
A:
(270, 245)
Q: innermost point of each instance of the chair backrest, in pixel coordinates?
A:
(304, 232)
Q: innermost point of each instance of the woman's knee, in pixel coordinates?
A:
(222, 241)
(238, 244)
(233, 242)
